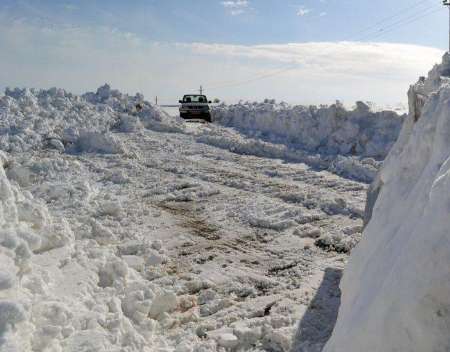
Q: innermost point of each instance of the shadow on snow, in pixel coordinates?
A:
(317, 324)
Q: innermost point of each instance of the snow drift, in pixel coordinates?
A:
(103, 305)
(62, 288)
(34, 119)
(325, 129)
(396, 287)
(26, 229)
(352, 143)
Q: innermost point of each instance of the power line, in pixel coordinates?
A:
(401, 12)
(382, 31)
(257, 78)
(400, 22)
(447, 3)
(412, 20)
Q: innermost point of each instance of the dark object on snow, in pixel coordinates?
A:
(372, 195)
(268, 309)
(139, 107)
(329, 244)
(195, 107)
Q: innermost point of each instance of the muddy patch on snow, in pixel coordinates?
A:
(191, 221)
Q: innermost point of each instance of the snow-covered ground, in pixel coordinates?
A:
(396, 287)
(350, 143)
(125, 230)
(132, 231)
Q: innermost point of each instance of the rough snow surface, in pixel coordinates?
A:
(135, 231)
(361, 169)
(396, 287)
(350, 143)
(31, 119)
(325, 129)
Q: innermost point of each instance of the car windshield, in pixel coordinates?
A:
(195, 99)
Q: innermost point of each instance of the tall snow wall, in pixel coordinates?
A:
(396, 288)
(326, 129)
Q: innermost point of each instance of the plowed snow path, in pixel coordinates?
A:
(236, 232)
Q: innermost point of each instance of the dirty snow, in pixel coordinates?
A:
(396, 287)
(136, 231)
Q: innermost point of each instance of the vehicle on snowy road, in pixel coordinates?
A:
(195, 106)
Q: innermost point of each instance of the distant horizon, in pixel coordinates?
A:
(396, 106)
(314, 53)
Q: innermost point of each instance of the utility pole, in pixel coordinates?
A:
(201, 88)
(156, 100)
(447, 3)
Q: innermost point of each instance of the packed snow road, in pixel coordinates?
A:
(216, 248)
(133, 231)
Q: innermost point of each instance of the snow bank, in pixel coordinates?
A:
(26, 229)
(396, 287)
(33, 119)
(325, 130)
(352, 143)
(64, 288)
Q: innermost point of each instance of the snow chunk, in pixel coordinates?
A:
(224, 338)
(11, 313)
(165, 302)
(100, 233)
(94, 142)
(6, 281)
(57, 144)
(308, 231)
(114, 272)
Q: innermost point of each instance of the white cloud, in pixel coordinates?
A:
(70, 7)
(236, 7)
(303, 11)
(350, 58)
(81, 59)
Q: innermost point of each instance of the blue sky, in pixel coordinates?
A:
(157, 44)
(245, 22)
